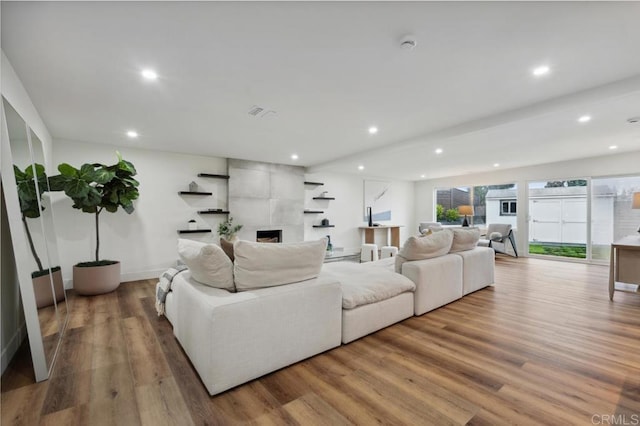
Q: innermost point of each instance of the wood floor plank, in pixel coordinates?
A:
(161, 403)
(543, 346)
(147, 360)
(313, 410)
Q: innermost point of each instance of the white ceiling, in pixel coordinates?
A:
(332, 69)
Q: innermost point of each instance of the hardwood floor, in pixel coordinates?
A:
(544, 346)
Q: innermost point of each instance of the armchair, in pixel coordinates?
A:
(499, 234)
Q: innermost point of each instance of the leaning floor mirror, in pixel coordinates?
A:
(30, 216)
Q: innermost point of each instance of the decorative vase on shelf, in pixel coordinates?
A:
(370, 214)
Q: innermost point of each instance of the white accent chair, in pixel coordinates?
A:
(434, 226)
(498, 235)
(368, 253)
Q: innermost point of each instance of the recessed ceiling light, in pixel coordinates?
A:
(584, 119)
(360, 167)
(373, 130)
(496, 164)
(438, 150)
(423, 176)
(294, 156)
(541, 70)
(613, 147)
(149, 74)
(132, 134)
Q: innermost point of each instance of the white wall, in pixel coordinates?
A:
(609, 165)
(145, 241)
(346, 212)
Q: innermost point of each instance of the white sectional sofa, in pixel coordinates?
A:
(232, 338)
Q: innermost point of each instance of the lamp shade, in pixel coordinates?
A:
(636, 201)
(465, 210)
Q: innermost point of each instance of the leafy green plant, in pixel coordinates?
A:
(227, 229)
(439, 212)
(452, 215)
(97, 187)
(29, 195)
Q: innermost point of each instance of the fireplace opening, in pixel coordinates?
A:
(270, 236)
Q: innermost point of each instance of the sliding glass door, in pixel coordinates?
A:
(558, 218)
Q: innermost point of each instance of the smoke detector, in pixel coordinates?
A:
(634, 120)
(408, 42)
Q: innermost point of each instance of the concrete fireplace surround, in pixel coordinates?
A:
(265, 196)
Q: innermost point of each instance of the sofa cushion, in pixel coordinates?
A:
(425, 247)
(362, 284)
(464, 239)
(259, 265)
(207, 263)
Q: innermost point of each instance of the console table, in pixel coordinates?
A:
(625, 262)
(393, 229)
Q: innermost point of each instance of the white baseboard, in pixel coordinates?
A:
(142, 275)
(12, 347)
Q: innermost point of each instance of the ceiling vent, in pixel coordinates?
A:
(256, 110)
(260, 112)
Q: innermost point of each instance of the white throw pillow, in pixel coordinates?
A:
(259, 265)
(419, 248)
(464, 239)
(207, 263)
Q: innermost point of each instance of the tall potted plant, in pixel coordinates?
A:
(29, 195)
(95, 188)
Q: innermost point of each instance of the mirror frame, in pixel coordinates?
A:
(21, 248)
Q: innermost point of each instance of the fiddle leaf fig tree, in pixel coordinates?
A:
(96, 187)
(29, 195)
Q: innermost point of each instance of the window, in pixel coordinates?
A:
(447, 202)
(508, 207)
(611, 214)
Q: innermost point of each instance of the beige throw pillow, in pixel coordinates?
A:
(464, 239)
(259, 265)
(207, 263)
(426, 247)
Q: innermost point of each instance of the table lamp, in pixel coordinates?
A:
(466, 211)
(635, 204)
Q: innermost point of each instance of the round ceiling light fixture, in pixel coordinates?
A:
(408, 42)
(149, 74)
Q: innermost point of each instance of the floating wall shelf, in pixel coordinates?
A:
(193, 231)
(324, 226)
(323, 198)
(313, 183)
(194, 193)
(313, 211)
(211, 175)
(213, 212)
